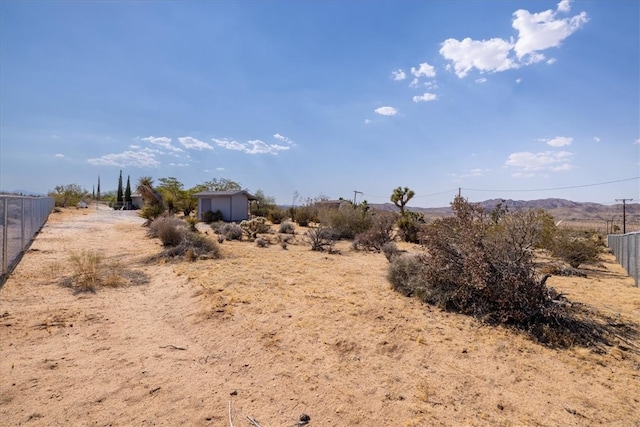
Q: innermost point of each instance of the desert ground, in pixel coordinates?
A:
(264, 336)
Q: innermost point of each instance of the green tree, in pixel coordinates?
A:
(127, 194)
(401, 197)
(222, 184)
(120, 195)
(98, 192)
(68, 195)
(263, 205)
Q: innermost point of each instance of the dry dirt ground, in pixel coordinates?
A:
(272, 334)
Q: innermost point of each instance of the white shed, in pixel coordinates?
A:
(234, 205)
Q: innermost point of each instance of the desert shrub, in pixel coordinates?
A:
(321, 238)
(407, 274)
(379, 233)
(575, 250)
(261, 243)
(347, 221)
(390, 250)
(192, 221)
(230, 231)
(277, 215)
(472, 266)
(286, 228)
(255, 226)
(210, 217)
(304, 215)
(192, 247)
(409, 225)
(85, 271)
(169, 229)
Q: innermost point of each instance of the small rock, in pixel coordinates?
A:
(234, 393)
(304, 418)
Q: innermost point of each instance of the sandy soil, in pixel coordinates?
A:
(272, 334)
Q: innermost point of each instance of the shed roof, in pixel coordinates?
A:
(224, 194)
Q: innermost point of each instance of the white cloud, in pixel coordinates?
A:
(367, 121)
(637, 141)
(142, 158)
(540, 31)
(481, 80)
(59, 155)
(398, 75)
(536, 33)
(415, 82)
(284, 139)
(529, 162)
(255, 146)
(484, 55)
(386, 111)
(597, 139)
(424, 69)
(179, 164)
(558, 141)
(161, 141)
(551, 61)
(425, 97)
(194, 144)
(518, 80)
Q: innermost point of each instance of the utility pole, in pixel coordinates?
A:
(624, 214)
(355, 194)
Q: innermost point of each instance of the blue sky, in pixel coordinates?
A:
(504, 99)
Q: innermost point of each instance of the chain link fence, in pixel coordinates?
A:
(626, 248)
(21, 218)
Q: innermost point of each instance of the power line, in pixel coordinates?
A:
(558, 188)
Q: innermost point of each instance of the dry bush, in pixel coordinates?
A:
(379, 233)
(261, 243)
(230, 231)
(286, 227)
(346, 221)
(169, 229)
(85, 271)
(277, 215)
(576, 250)
(321, 238)
(475, 266)
(192, 247)
(410, 225)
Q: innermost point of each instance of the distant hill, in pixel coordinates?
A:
(560, 209)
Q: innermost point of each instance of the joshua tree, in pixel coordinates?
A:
(153, 203)
(401, 197)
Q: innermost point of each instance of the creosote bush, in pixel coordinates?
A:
(347, 220)
(576, 250)
(179, 240)
(229, 230)
(286, 227)
(322, 238)
(378, 234)
(482, 267)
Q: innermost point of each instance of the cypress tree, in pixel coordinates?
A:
(119, 199)
(98, 193)
(127, 194)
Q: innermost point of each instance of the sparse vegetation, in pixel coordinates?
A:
(210, 217)
(180, 241)
(484, 268)
(576, 250)
(321, 238)
(252, 227)
(378, 234)
(286, 228)
(230, 231)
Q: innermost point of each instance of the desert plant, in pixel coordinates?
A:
(210, 217)
(575, 250)
(409, 225)
(390, 250)
(153, 204)
(192, 221)
(346, 221)
(321, 238)
(86, 270)
(230, 231)
(379, 233)
(286, 227)
(277, 215)
(261, 243)
(401, 196)
(169, 229)
(253, 227)
(304, 215)
(407, 273)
